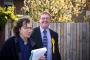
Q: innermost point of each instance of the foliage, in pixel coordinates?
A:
(61, 10)
(6, 13)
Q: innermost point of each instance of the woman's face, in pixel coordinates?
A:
(26, 30)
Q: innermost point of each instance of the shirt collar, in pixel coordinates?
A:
(41, 29)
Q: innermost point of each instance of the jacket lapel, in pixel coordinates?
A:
(53, 46)
(31, 43)
(40, 44)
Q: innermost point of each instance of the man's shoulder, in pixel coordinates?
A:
(52, 31)
(35, 31)
(36, 28)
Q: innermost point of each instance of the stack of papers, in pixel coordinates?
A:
(37, 53)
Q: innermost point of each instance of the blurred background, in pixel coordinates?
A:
(70, 19)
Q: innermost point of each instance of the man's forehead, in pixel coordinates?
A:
(45, 15)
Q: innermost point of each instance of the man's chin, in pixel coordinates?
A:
(45, 27)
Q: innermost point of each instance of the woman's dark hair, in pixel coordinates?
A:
(19, 24)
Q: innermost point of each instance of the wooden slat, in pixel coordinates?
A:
(58, 31)
(65, 41)
(74, 40)
(51, 26)
(84, 41)
(68, 41)
(78, 42)
(88, 49)
(71, 44)
(54, 27)
(62, 39)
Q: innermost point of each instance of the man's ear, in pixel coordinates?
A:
(50, 21)
(39, 21)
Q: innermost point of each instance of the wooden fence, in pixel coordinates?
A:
(74, 40)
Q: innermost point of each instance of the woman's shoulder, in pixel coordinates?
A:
(8, 43)
(10, 39)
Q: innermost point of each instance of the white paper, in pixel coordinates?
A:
(37, 53)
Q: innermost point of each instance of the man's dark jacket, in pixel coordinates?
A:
(38, 40)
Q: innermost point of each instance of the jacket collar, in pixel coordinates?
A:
(18, 46)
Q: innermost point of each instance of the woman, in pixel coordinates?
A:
(19, 46)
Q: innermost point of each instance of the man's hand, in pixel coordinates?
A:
(42, 58)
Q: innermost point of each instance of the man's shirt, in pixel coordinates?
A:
(49, 48)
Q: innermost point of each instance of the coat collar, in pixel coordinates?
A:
(17, 46)
(30, 41)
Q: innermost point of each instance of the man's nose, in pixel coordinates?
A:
(45, 19)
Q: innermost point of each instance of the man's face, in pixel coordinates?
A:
(45, 21)
(26, 30)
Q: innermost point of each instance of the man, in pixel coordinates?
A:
(42, 33)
